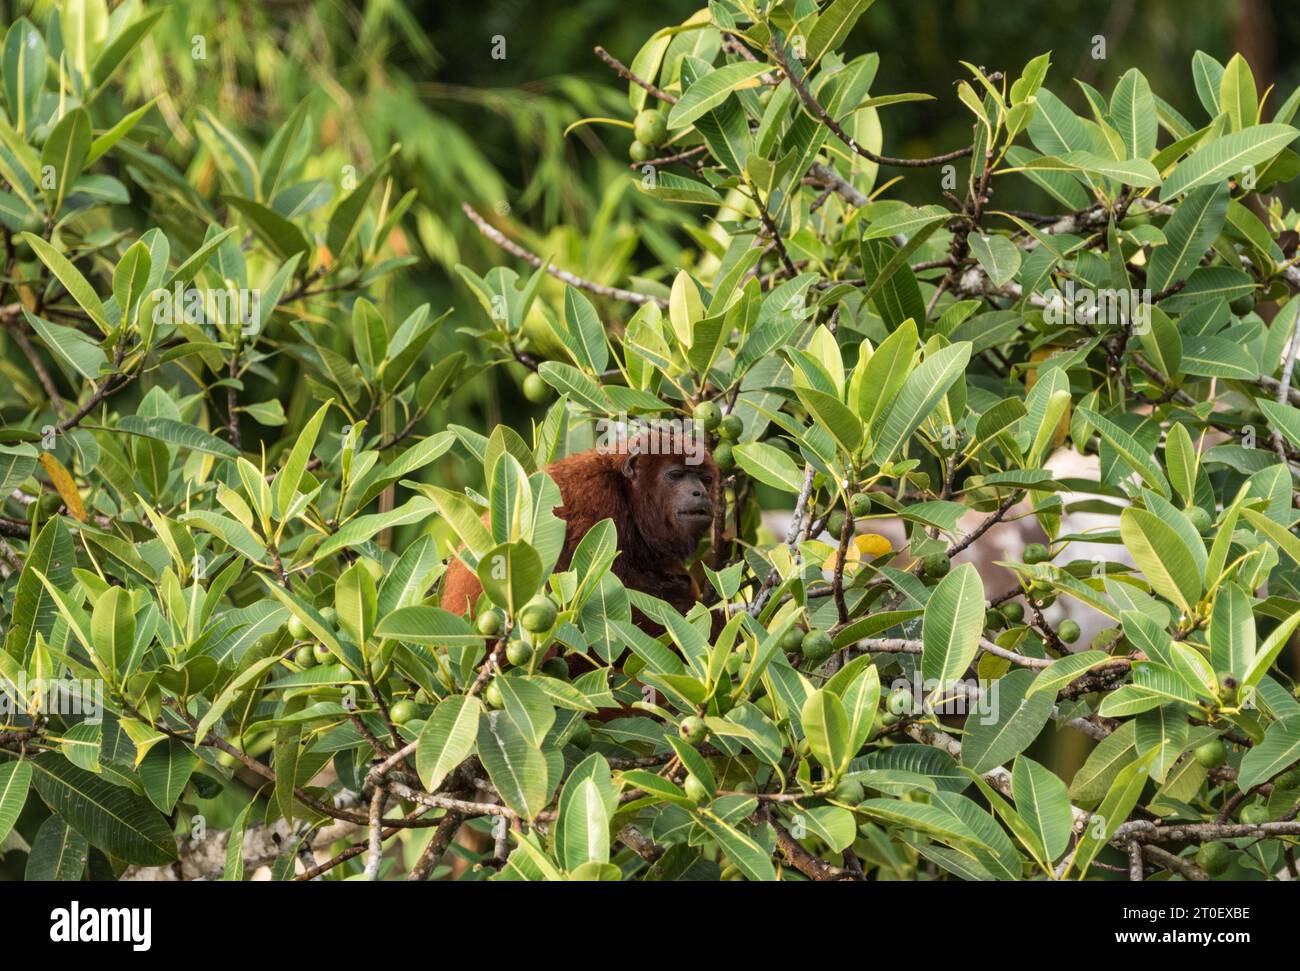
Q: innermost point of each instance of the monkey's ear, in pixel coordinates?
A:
(629, 465)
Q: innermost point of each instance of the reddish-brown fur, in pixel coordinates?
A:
(652, 543)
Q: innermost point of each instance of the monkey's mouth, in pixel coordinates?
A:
(696, 514)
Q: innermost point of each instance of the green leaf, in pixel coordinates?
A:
(953, 622)
(769, 465)
(713, 89)
(826, 726)
(998, 255)
(112, 628)
(71, 278)
(517, 769)
(1133, 110)
(1162, 555)
(1226, 156)
(64, 152)
(70, 345)
(1232, 631)
(175, 432)
(920, 393)
(447, 739)
(116, 820)
(832, 27)
(1114, 809)
(1043, 802)
(165, 771)
(585, 808)
(15, 780)
(1019, 719)
(1133, 454)
(346, 217)
(58, 853)
(1064, 670)
(283, 238)
(355, 602)
(1277, 752)
(749, 857)
(1190, 231)
(24, 72)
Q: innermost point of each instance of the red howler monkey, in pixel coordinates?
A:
(661, 505)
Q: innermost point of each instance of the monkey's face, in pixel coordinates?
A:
(672, 501)
(688, 493)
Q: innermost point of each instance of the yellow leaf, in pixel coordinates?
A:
(872, 544)
(63, 483)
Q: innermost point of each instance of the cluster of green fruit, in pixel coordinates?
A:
(812, 645)
(859, 506)
(535, 617)
(649, 129)
(728, 428)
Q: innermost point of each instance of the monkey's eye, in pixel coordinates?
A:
(676, 474)
(707, 480)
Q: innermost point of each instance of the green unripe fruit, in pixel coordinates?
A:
(640, 152)
(1213, 858)
(1040, 588)
(1256, 814)
(723, 457)
(518, 653)
(993, 619)
(304, 657)
(730, 873)
(888, 719)
(492, 695)
(1211, 754)
(581, 737)
(1288, 780)
(489, 623)
(708, 414)
(330, 615)
(900, 701)
(792, 640)
(695, 790)
(816, 646)
(403, 711)
(1201, 519)
(536, 389)
(1068, 631)
(859, 504)
(1036, 553)
(554, 667)
(33, 223)
(538, 615)
(1013, 611)
(650, 127)
(731, 427)
(297, 629)
(936, 565)
(835, 524)
(323, 655)
(1243, 305)
(850, 791)
(693, 730)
